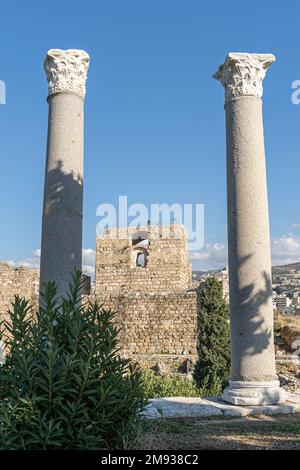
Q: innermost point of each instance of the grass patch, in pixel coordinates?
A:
(252, 433)
(171, 426)
(157, 386)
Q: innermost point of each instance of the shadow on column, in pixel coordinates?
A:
(253, 330)
(249, 302)
(61, 248)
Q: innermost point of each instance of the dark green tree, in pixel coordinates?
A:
(213, 367)
(63, 384)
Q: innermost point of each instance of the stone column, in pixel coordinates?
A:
(61, 247)
(253, 378)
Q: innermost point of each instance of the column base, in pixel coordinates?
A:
(253, 393)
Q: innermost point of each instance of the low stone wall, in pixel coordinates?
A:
(21, 281)
(156, 328)
(166, 363)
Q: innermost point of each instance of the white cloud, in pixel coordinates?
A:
(286, 249)
(32, 262)
(88, 261)
(212, 256)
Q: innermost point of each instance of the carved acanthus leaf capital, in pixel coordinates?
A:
(243, 73)
(66, 71)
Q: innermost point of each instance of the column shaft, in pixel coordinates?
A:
(61, 251)
(253, 378)
(248, 243)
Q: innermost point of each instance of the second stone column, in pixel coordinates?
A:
(253, 378)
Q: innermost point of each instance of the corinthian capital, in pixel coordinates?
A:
(66, 71)
(243, 73)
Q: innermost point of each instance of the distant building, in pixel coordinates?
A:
(225, 283)
(283, 303)
(221, 275)
(197, 276)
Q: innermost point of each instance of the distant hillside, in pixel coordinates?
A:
(212, 272)
(283, 269)
(286, 268)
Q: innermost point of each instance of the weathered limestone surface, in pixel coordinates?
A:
(21, 281)
(179, 407)
(167, 268)
(194, 407)
(253, 375)
(157, 311)
(156, 324)
(61, 247)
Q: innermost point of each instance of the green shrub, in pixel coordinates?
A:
(157, 386)
(63, 384)
(213, 367)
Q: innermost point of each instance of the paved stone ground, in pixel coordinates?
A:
(194, 407)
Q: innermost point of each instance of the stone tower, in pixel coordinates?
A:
(151, 259)
(145, 276)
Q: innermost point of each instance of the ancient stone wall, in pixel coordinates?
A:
(142, 260)
(156, 323)
(145, 275)
(21, 281)
(155, 303)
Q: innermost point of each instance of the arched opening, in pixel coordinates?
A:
(140, 244)
(140, 257)
(141, 260)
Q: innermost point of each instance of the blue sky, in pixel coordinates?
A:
(154, 116)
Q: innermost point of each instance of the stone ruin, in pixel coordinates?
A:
(151, 260)
(253, 378)
(145, 276)
(21, 281)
